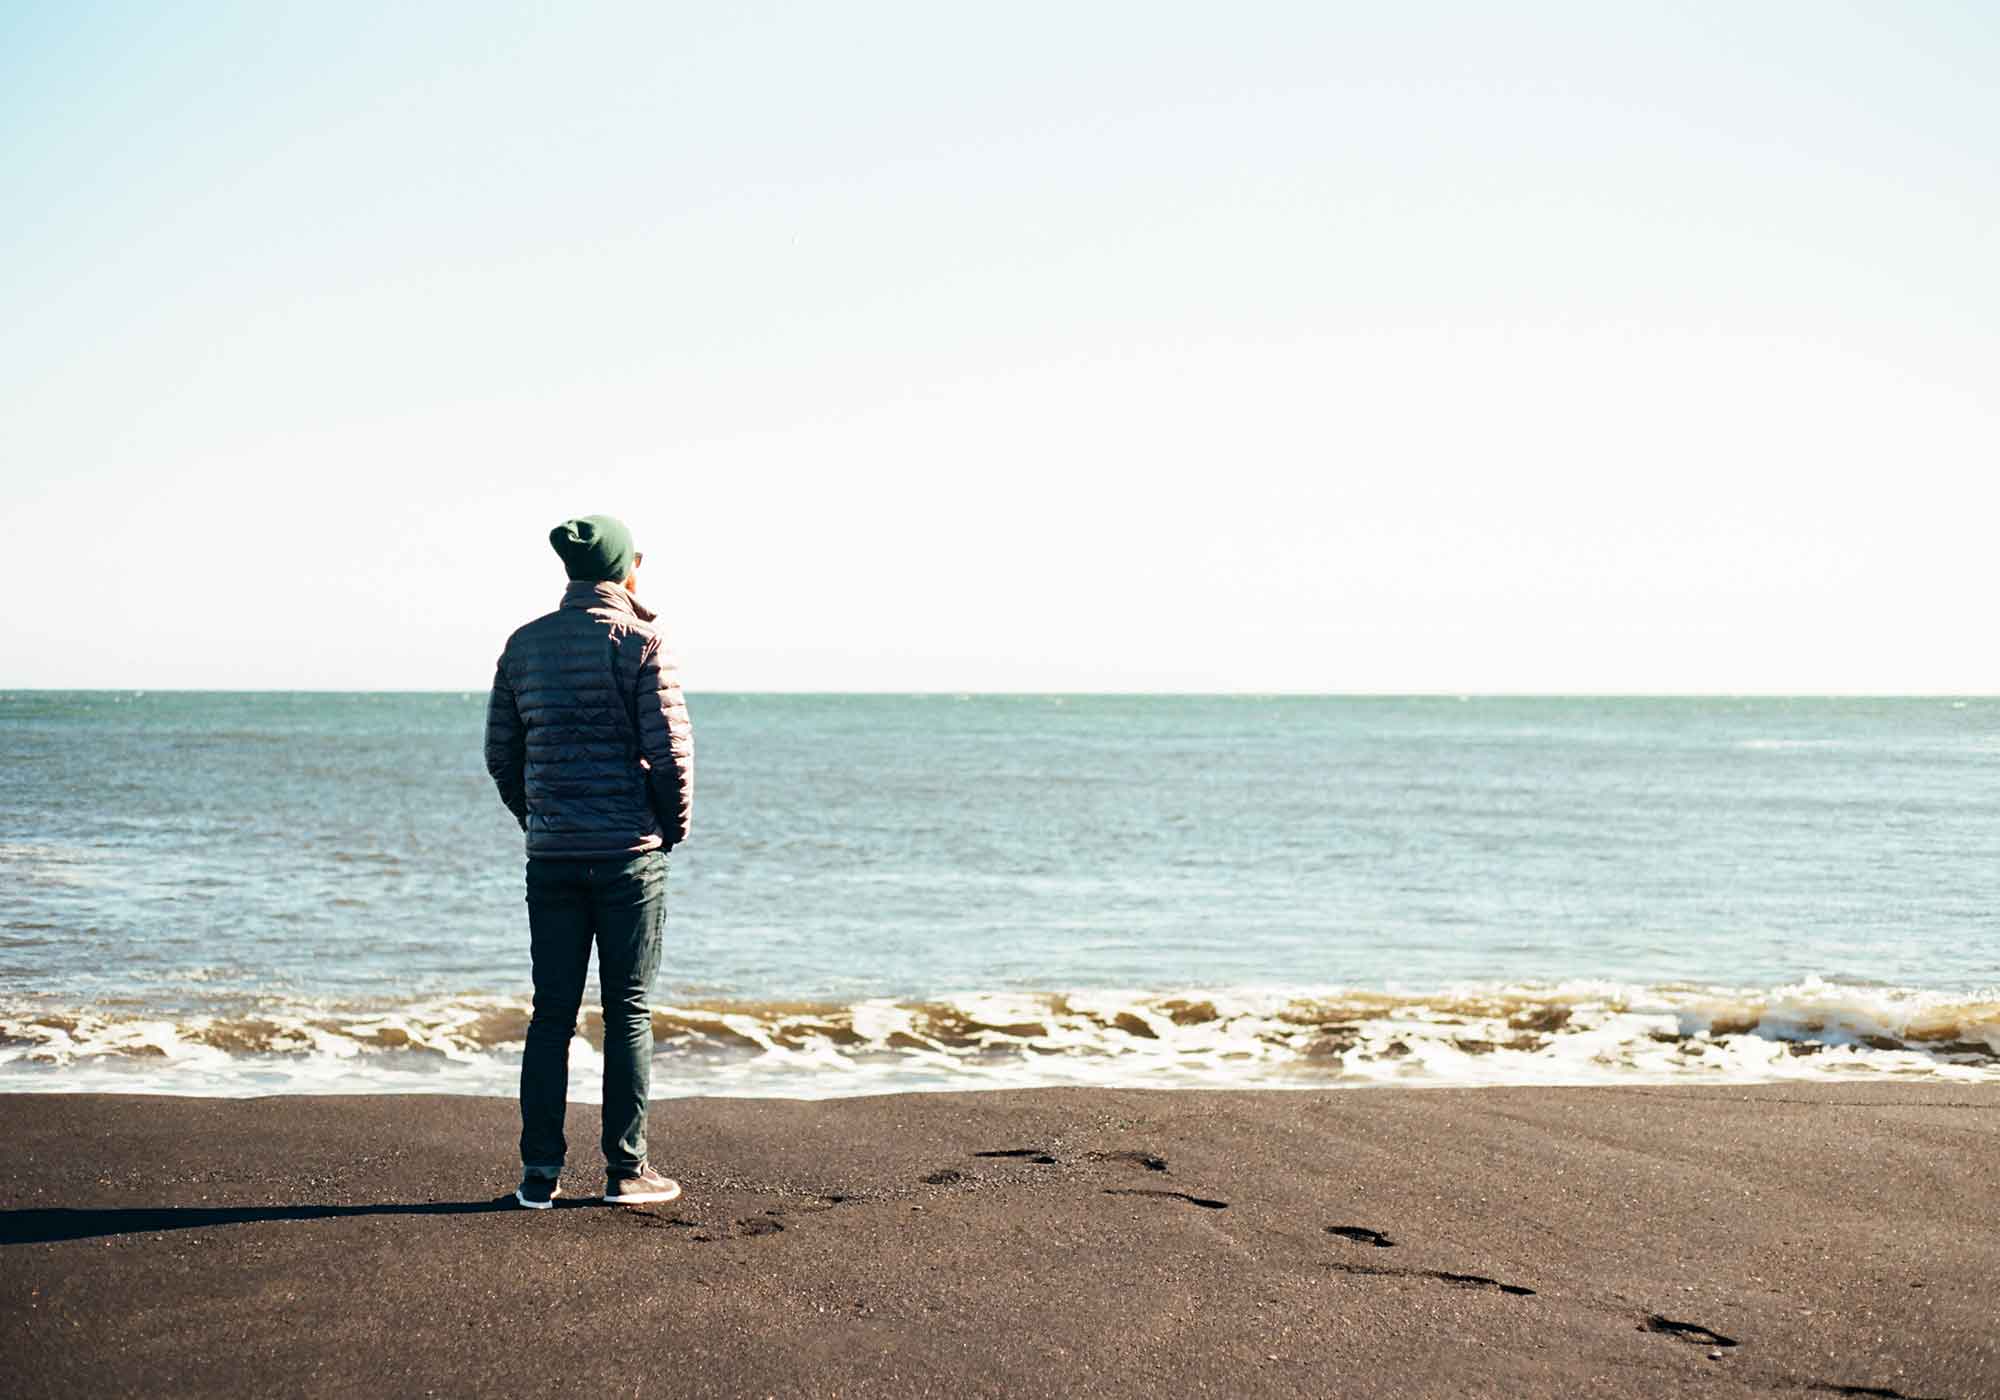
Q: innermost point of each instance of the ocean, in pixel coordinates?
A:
(254, 893)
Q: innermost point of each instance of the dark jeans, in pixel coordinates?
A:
(619, 904)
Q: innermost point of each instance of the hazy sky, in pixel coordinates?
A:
(1279, 346)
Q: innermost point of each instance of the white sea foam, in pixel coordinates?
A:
(1572, 1033)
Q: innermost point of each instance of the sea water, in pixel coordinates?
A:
(255, 893)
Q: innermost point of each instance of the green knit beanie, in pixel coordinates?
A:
(594, 548)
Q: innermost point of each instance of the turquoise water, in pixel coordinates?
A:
(234, 890)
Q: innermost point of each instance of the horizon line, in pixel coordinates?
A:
(956, 692)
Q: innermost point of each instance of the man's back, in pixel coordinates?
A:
(587, 733)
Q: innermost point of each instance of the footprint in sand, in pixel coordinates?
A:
(1032, 1154)
(1361, 1234)
(1455, 1280)
(1171, 1195)
(1686, 1331)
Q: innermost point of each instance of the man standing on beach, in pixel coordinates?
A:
(588, 738)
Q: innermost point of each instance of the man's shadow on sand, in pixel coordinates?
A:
(45, 1226)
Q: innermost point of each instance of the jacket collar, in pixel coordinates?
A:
(582, 593)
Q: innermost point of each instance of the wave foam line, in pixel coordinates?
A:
(1575, 1033)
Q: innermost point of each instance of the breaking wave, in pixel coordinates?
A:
(1575, 1033)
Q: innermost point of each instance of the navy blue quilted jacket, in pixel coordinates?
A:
(587, 734)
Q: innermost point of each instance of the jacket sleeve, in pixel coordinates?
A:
(666, 742)
(507, 745)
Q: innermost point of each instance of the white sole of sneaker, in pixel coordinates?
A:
(538, 1205)
(644, 1198)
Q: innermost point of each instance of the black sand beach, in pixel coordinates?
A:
(1726, 1241)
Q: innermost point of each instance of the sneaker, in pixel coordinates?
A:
(648, 1186)
(538, 1192)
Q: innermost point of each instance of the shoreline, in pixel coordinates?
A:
(1662, 1240)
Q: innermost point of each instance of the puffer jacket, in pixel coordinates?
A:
(587, 734)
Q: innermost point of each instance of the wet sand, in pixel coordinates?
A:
(1724, 1241)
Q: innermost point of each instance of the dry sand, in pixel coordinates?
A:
(1719, 1241)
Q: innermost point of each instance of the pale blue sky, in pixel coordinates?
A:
(1307, 346)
